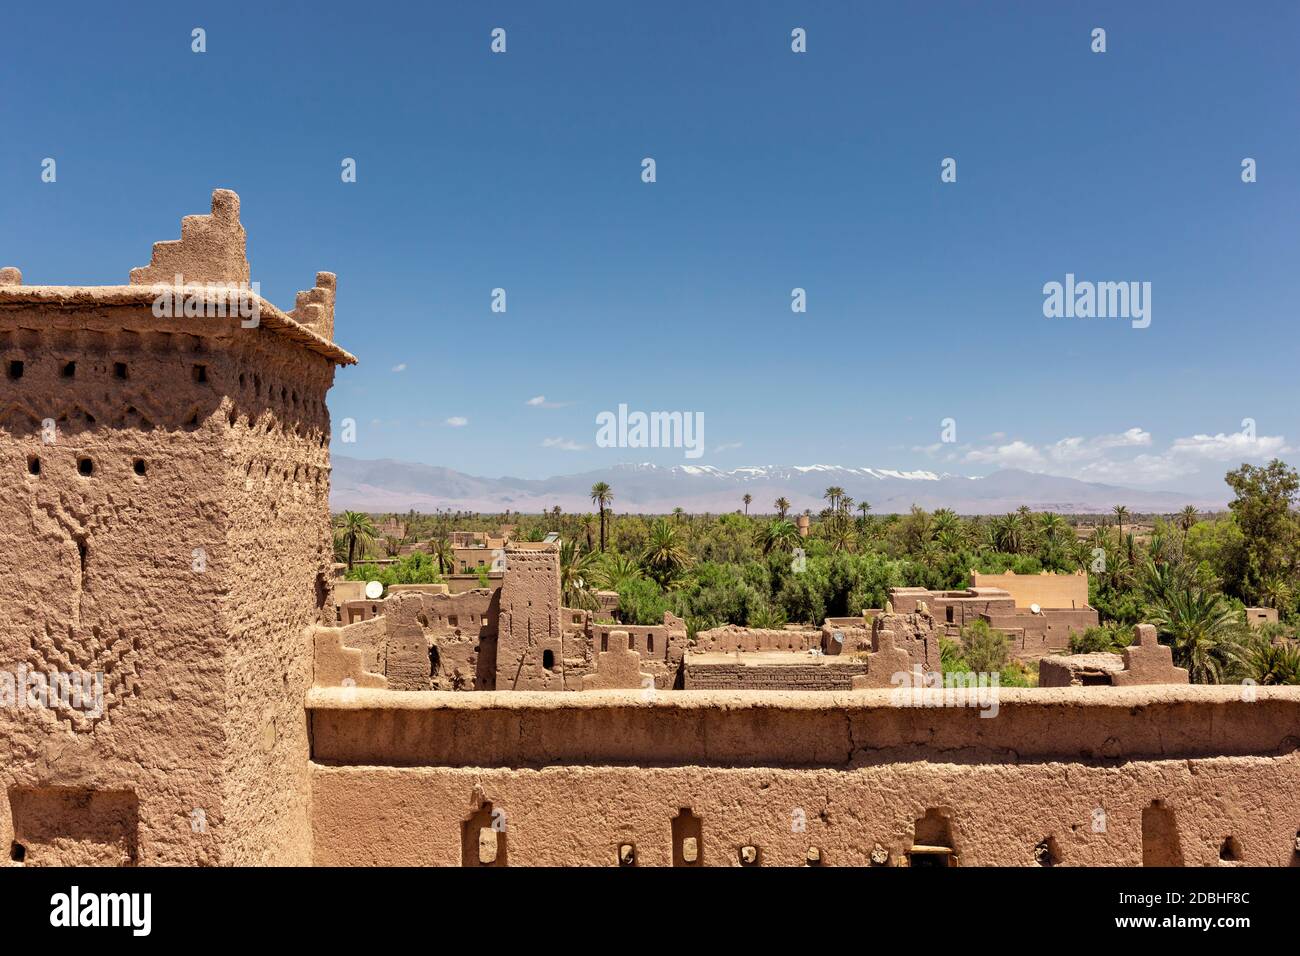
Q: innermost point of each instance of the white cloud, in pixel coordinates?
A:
(563, 444)
(729, 446)
(536, 400)
(1110, 458)
(456, 421)
(539, 401)
(1016, 454)
(1236, 446)
(399, 367)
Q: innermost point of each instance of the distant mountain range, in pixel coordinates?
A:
(387, 485)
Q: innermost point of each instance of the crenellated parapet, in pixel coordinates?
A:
(314, 308)
(211, 249)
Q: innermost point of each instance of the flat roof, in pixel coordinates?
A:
(73, 297)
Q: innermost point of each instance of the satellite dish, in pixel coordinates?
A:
(839, 637)
(374, 590)
(1034, 608)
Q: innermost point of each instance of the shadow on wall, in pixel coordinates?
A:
(483, 838)
(1160, 845)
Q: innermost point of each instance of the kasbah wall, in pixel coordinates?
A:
(172, 532)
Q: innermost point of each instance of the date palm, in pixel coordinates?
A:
(747, 499)
(782, 506)
(1201, 627)
(946, 520)
(441, 550)
(601, 496)
(779, 534)
(616, 571)
(356, 530)
(1188, 517)
(1052, 529)
(664, 557)
(841, 535)
(1121, 512)
(1006, 533)
(575, 574)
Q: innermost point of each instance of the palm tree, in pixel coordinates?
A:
(747, 499)
(615, 571)
(1274, 664)
(601, 496)
(864, 508)
(1121, 513)
(441, 549)
(1276, 593)
(1005, 533)
(846, 504)
(1081, 553)
(588, 526)
(833, 495)
(664, 557)
(945, 520)
(355, 528)
(1187, 517)
(575, 570)
(1201, 626)
(782, 506)
(841, 535)
(677, 513)
(779, 534)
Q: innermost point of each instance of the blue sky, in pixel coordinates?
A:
(775, 170)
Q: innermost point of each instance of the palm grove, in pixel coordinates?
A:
(1189, 574)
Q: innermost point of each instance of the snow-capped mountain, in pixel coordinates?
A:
(388, 485)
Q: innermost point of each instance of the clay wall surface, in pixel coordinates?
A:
(733, 638)
(794, 728)
(777, 677)
(102, 565)
(847, 635)
(1046, 590)
(1033, 635)
(195, 458)
(579, 816)
(278, 555)
(1078, 669)
(578, 776)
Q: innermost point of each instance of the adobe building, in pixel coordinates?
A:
(165, 523)
(515, 635)
(1037, 612)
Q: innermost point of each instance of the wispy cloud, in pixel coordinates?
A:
(399, 367)
(729, 446)
(539, 401)
(1122, 457)
(563, 444)
(456, 421)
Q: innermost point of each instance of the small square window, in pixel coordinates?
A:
(119, 370)
(15, 369)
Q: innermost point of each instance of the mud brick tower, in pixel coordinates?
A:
(165, 524)
(530, 642)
